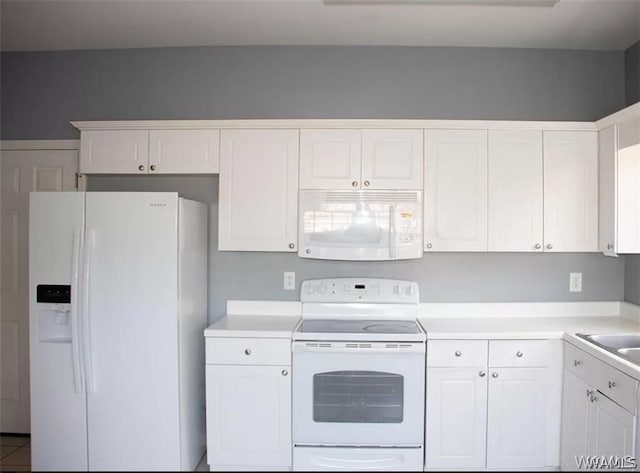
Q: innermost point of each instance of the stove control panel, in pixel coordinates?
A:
(373, 290)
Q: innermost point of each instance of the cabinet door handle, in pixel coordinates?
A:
(482, 374)
(429, 245)
(577, 363)
(141, 168)
(354, 184)
(589, 392)
(285, 372)
(519, 354)
(458, 353)
(247, 352)
(609, 246)
(152, 167)
(292, 246)
(612, 384)
(538, 246)
(549, 246)
(366, 183)
(494, 374)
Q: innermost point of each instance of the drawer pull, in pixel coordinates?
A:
(458, 353)
(519, 354)
(285, 372)
(247, 351)
(612, 384)
(482, 374)
(589, 392)
(577, 363)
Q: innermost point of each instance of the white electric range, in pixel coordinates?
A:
(358, 376)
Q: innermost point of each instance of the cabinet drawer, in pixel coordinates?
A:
(248, 351)
(514, 353)
(606, 379)
(452, 353)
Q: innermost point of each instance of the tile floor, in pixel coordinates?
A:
(16, 454)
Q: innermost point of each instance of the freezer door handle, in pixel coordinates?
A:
(78, 380)
(86, 324)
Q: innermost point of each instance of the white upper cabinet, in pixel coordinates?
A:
(392, 159)
(570, 191)
(114, 152)
(619, 157)
(258, 190)
(361, 159)
(184, 151)
(330, 159)
(455, 190)
(149, 151)
(515, 190)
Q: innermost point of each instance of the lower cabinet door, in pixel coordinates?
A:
(248, 415)
(516, 424)
(610, 431)
(456, 418)
(575, 415)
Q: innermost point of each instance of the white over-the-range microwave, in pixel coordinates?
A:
(360, 225)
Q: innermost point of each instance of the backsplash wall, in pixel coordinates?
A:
(43, 91)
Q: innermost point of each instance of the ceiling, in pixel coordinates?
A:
(103, 24)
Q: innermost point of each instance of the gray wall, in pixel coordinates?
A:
(632, 74)
(632, 279)
(42, 91)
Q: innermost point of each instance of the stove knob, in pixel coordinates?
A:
(397, 289)
(408, 290)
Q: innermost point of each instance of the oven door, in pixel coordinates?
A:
(365, 394)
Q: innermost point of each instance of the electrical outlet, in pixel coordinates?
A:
(289, 280)
(575, 282)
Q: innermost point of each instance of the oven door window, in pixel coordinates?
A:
(358, 397)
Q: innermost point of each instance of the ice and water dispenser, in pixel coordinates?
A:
(54, 311)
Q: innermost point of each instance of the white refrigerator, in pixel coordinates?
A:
(118, 297)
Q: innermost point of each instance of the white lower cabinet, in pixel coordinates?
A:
(598, 412)
(492, 404)
(248, 404)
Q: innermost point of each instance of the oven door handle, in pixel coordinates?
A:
(360, 348)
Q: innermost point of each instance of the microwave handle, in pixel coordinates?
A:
(392, 232)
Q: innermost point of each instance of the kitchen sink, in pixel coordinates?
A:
(625, 345)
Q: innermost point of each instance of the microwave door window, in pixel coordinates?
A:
(354, 222)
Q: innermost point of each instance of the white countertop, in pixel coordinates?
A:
(443, 328)
(253, 326)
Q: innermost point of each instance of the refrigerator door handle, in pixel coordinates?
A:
(86, 326)
(78, 380)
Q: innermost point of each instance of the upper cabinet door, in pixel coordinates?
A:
(392, 159)
(184, 151)
(258, 190)
(455, 190)
(570, 191)
(330, 159)
(515, 190)
(607, 151)
(114, 151)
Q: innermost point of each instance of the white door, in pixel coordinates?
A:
(575, 414)
(114, 152)
(455, 208)
(610, 428)
(456, 418)
(516, 424)
(330, 159)
(570, 191)
(184, 151)
(515, 190)
(22, 172)
(248, 415)
(392, 159)
(258, 190)
(132, 375)
(607, 162)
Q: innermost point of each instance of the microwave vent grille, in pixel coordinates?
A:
(362, 196)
